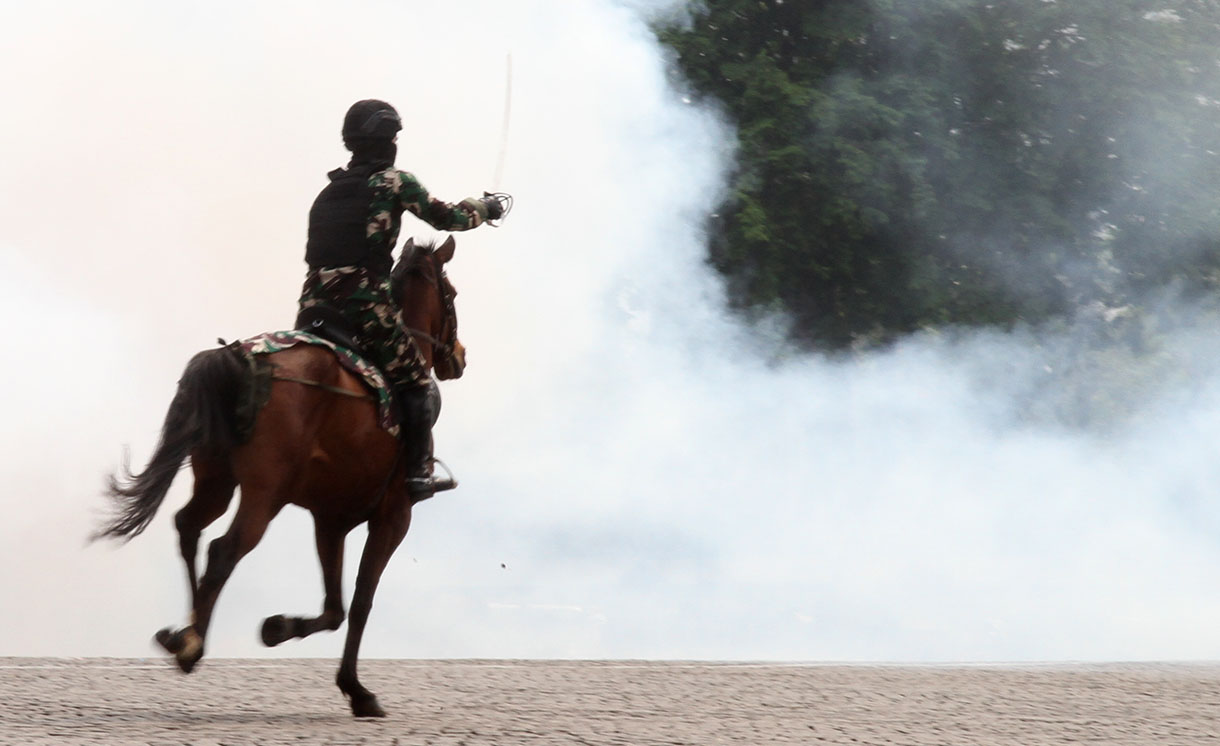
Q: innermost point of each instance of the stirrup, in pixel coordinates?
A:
(421, 488)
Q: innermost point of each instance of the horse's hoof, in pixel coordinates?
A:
(186, 665)
(367, 707)
(169, 640)
(276, 629)
(185, 645)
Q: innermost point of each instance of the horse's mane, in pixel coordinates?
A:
(411, 254)
(409, 259)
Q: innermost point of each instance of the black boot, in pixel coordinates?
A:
(424, 484)
(421, 406)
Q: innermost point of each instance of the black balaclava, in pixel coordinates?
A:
(369, 129)
(374, 152)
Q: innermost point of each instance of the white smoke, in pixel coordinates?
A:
(642, 475)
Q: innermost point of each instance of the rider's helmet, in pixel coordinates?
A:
(369, 131)
(371, 120)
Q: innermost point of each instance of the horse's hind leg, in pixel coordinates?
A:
(278, 628)
(386, 531)
(214, 485)
(256, 510)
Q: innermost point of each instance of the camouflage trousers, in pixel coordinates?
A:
(367, 303)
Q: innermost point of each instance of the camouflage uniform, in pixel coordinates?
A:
(395, 191)
(362, 292)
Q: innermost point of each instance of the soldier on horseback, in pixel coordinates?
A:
(353, 226)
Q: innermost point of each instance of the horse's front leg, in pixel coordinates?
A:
(386, 531)
(278, 628)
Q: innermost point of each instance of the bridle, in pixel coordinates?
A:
(443, 349)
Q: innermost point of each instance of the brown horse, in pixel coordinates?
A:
(310, 445)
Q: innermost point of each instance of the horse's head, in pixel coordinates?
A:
(426, 297)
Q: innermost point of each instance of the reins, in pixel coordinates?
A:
(436, 343)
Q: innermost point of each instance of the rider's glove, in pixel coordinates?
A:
(495, 210)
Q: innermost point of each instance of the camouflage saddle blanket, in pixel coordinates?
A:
(270, 342)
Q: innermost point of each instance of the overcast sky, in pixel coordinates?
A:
(642, 475)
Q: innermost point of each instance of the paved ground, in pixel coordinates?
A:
(111, 702)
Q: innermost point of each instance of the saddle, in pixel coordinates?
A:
(329, 324)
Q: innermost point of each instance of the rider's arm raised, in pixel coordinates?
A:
(414, 198)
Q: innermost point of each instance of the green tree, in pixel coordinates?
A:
(911, 164)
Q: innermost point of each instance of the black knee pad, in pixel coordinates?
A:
(432, 401)
(420, 405)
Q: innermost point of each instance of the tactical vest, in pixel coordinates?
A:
(339, 219)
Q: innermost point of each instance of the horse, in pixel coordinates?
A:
(317, 443)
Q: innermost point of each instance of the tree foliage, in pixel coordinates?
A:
(913, 163)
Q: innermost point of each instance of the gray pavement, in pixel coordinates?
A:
(236, 702)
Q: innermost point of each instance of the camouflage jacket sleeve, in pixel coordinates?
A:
(414, 198)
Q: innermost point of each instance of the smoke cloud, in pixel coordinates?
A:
(642, 475)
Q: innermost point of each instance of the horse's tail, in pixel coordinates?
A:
(203, 414)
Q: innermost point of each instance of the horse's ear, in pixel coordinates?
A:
(407, 257)
(445, 251)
